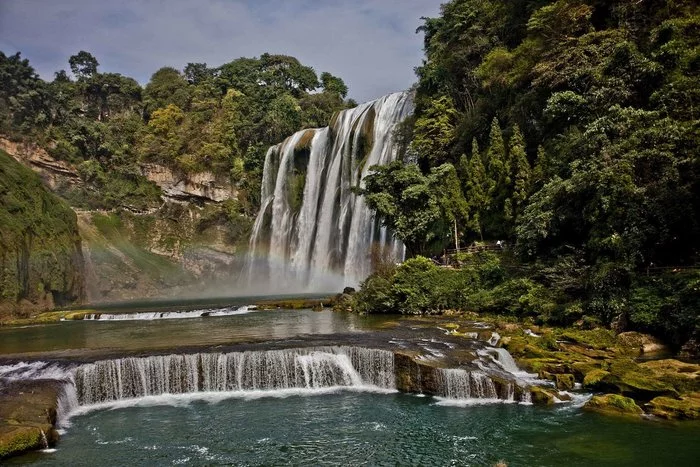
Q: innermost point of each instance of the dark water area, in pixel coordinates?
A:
(347, 428)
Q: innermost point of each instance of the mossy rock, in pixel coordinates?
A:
(564, 382)
(594, 377)
(541, 396)
(626, 377)
(15, 440)
(613, 404)
(684, 408)
(684, 377)
(599, 339)
(520, 347)
(581, 369)
(638, 343)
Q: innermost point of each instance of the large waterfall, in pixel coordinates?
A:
(313, 232)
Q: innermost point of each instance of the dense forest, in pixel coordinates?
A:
(569, 131)
(219, 119)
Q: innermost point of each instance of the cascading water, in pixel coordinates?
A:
(327, 367)
(312, 231)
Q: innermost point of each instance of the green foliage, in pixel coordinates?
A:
(39, 246)
(434, 131)
(420, 209)
(333, 84)
(83, 65)
(602, 97)
(219, 120)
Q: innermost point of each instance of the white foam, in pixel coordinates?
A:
(214, 397)
(443, 401)
(147, 316)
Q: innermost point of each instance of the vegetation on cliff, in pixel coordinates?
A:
(572, 128)
(40, 256)
(220, 120)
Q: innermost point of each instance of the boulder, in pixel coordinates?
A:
(564, 382)
(639, 343)
(686, 407)
(613, 404)
(542, 396)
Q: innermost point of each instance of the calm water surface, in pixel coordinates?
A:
(169, 333)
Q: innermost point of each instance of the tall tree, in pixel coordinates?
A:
(520, 174)
(83, 65)
(333, 84)
(477, 186)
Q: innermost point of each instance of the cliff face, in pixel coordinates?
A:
(198, 187)
(41, 263)
(179, 250)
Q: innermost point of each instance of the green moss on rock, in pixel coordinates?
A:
(565, 381)
(613, 404)
(541, 396)
(41, 262)
(683, 408)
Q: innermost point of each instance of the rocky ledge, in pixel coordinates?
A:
(27, 416)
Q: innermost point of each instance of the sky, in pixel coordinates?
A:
(371, 44)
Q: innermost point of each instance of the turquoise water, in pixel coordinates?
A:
(349, 428)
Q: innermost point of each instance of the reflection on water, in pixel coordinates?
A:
(158, 334)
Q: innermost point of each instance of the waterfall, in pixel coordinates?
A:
(456, 383)
(315, 368)
(312, 232)
(147, 316)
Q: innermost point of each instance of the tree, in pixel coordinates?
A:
(403, 199)
(83, 65)
(520, 174)
(197, 73)
(23, 96)
(167, 86)
(435, 132)
(333, 85)
(477, 186)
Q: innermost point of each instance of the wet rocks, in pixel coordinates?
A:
(613, 404)
(27, 416)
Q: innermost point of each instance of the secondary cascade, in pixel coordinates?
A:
(312, 231)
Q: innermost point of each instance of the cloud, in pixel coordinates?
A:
(371, 44)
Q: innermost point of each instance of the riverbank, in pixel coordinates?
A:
(635, 374)
(77, 314)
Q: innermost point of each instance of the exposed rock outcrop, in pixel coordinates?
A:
(54, 173)
(197, 187)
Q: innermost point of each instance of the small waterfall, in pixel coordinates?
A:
(312, 232)
(112, 380)
(167, 314)
(44, 440)
(455, 383)
(505, 359)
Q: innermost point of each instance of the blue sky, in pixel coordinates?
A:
(371, 44)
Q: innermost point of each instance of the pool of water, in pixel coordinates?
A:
(346, 428)
(145, 335)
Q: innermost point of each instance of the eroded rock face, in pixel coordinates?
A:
(203, 186)
(53, 173)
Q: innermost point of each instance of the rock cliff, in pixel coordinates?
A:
(41, 263)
